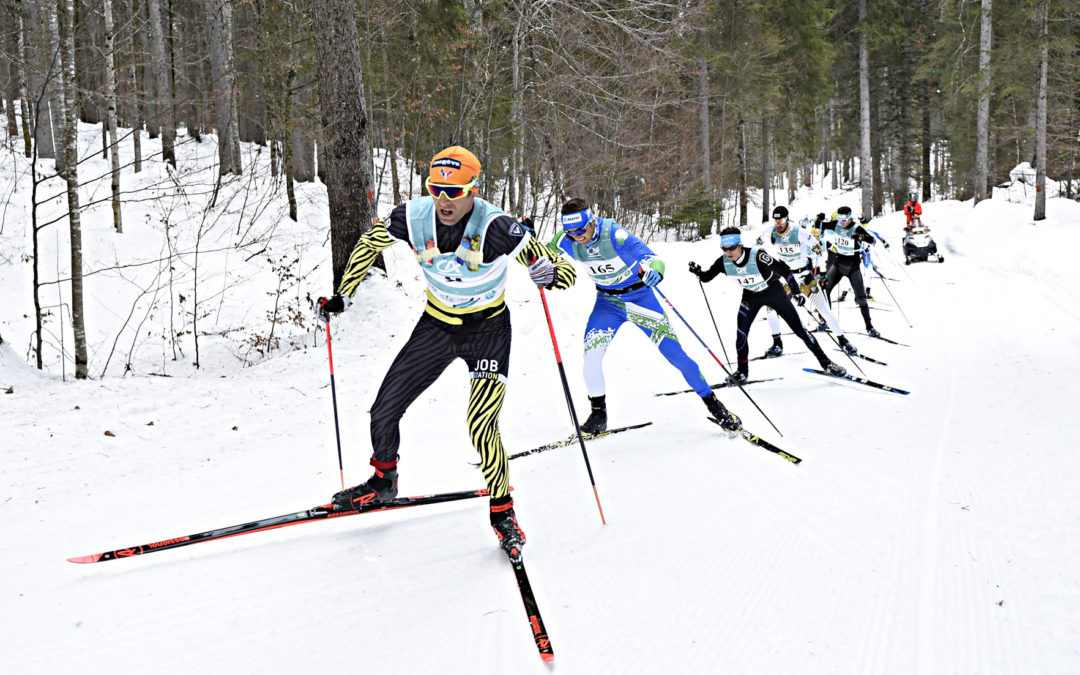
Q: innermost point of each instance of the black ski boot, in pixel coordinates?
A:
(777, 348)
(738, 377)
(727, 419)
(597, 421)
(835, 369)
(505, 524)
(872, 332)
(381, 487)
(846, 345)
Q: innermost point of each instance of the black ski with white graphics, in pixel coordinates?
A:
(878, 337)
(572, 439)
(324, 512)
(528, 598)
(860, 380)
(721, 385)
(864, 357)
(754, 439)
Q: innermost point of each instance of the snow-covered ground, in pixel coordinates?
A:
(933, 533)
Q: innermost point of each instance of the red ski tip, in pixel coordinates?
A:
(548, 658)
(84, 559)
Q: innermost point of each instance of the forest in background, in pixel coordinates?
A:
(661, 113)
(651, 107)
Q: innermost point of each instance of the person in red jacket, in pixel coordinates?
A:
(913, 209)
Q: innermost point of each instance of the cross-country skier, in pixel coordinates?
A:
(844, 259)
(760, 276)
(464, 246)
(625, 271)
(794, 245)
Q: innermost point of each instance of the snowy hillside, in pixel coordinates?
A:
(930, 533)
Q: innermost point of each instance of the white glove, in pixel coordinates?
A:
(542, 271)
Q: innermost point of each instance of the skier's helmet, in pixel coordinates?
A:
(913, 197)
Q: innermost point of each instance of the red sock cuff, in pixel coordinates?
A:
(383, 466)
(502, 504)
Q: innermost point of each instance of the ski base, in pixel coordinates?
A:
(324, 512)
(532, 610)
(571, 439)
(721, 385)
(761, 443)
(860, 380)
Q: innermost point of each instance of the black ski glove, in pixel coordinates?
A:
(695, 269)
(335, 304)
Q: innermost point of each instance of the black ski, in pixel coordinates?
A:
(765, 357)
(536, 623)
(864, 357)
(324, 512)
(753, 438)
(571, 439)
(721, 385)
(885, 339)
(859, 380)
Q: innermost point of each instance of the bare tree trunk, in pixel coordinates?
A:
(163, 88)
(223, 85)
(518, 152)
(741, 154)
(71, 175)
(866, 162)
(51, 117)
(287, 144)
(1040, 122)
(765, 170)
(982, 126)
(926, 144)
(345, 127)
(876, 151)
(703, 122)
(136, 120)
(22, 64)
(833, 154)
(110, 111)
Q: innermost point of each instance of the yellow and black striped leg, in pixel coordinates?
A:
(485, 403)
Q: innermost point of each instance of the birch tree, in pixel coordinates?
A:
(71, 176)
(1040, 115)
(982, 125)
(20, 63)
(110, 111)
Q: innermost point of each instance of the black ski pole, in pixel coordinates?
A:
(713, 319)
(728, 372)
(570, 402)
(333, 396)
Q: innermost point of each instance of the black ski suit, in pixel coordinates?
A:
(850, 266)
(769, 293)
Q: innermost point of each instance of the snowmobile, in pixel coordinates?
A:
(919, 246)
